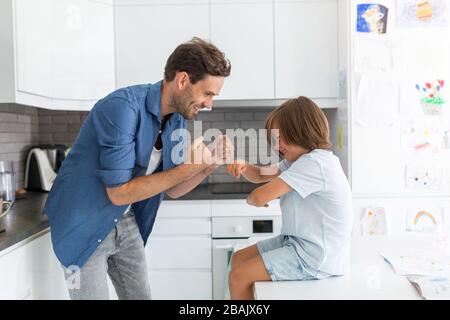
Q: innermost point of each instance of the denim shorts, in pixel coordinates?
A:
(282, 261)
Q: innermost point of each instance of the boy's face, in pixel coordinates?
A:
(290, 152)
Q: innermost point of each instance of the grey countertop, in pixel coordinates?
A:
(26, 219)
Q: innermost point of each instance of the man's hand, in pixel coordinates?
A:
(237, 168)
(198, 153)
(222, 150)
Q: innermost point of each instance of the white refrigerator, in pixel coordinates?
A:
(398, 85)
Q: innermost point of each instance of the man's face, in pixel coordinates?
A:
(194, 97)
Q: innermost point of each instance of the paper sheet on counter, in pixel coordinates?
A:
(419, 265)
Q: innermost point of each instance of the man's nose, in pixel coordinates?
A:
(207, 104)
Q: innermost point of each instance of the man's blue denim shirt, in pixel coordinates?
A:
(114, 146)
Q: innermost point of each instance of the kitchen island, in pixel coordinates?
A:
(371, 278)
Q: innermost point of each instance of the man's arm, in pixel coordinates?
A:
(268, 192)
(182, 188)
(145, 187)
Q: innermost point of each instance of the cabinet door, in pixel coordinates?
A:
(306, 48)
(34, 46)
(83, 49)
(181, 285)
(244, 32)
(144, 45)
(15, 276)
(46, 271)
(65, 49)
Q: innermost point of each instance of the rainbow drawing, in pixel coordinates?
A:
(429, 220)
(420, 214)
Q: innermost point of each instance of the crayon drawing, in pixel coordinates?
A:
(425, 220)
(373, 221)
(423, 177)
(431, 97)
(371, 18)
(414, 13)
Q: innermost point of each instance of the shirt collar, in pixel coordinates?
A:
(153, 101)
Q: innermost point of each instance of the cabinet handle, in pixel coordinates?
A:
(224, 246)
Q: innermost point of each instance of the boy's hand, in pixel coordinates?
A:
(237, 168)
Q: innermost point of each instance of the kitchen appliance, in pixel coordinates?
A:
(234, 232)
(234, 188)
(42, 166)
(7, 186)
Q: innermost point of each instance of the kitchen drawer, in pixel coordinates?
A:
(184, 208)
(178, 252)
(227, 208)
(181, 285)
(176, 226)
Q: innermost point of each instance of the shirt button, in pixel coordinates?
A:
(99, 240)
(115, 220)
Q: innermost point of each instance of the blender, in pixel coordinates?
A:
(7, 187)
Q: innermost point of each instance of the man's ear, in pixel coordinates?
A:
(182, 79)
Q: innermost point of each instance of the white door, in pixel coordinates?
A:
(244, 32)
(144, 45)
(306, 48)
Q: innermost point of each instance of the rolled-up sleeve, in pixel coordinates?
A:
(115, 122)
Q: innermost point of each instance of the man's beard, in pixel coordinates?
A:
(184, 104)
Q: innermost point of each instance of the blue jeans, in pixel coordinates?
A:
(121, 256)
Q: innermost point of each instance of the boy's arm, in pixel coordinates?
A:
(258, 174)
(253, 173)
(270, 191)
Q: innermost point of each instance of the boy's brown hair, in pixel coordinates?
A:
(301, 122)
(198, 58)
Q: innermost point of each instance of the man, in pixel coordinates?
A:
(104, 200)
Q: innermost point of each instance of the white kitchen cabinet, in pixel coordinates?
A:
(15, 276)
(143, 46)
(48, 280)
(30, 270)
(83, 50)
(306, 48)
(63, 52)
(244, 32)
(179, 249)
(181, 285)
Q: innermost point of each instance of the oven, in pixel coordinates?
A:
(231, 233)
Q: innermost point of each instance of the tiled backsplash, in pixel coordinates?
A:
(24, 126)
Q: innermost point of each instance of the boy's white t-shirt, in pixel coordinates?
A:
(318, 211)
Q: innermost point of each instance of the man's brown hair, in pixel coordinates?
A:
(302, 123)
(198, 58)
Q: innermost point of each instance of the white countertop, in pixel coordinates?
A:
(371, 276)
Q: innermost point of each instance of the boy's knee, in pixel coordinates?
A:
(235, 259)
(235, 277)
